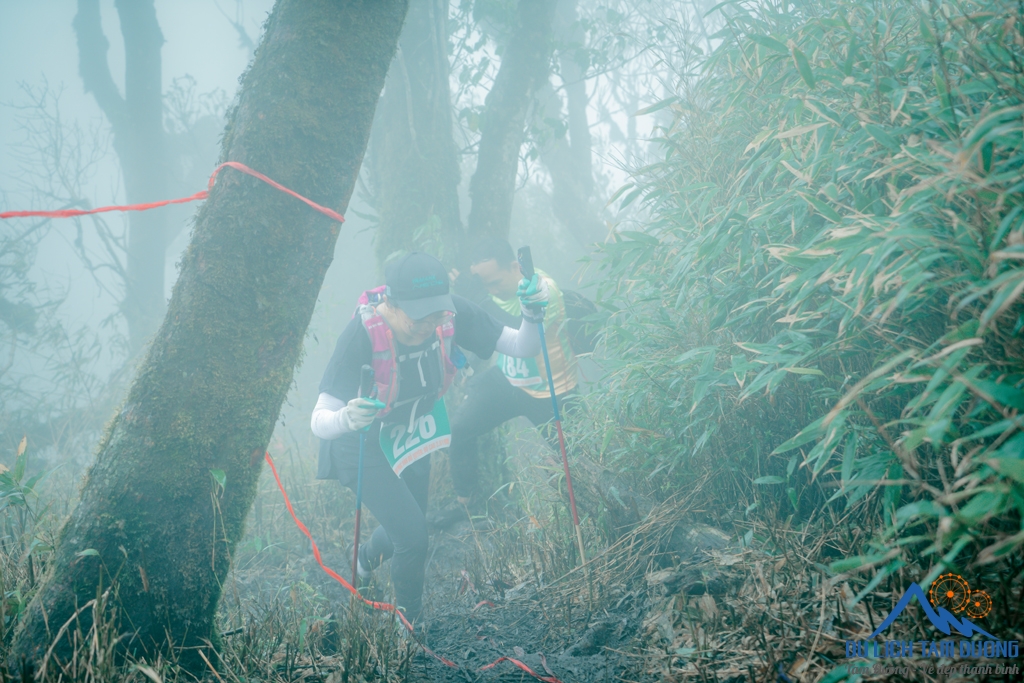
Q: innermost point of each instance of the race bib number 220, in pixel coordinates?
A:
(430, 432)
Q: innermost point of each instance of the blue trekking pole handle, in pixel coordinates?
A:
(526, 268)
(365, 388)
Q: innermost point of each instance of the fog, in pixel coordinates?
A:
(38, 49)
(768, 380)
(203, 52)
(56, 148)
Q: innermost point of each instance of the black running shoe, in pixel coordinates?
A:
(438, 520)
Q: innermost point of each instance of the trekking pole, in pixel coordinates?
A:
(526, 266)
(365, 387)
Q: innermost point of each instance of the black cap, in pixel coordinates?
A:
(418, 284)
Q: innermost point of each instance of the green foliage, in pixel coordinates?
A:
(17, 494)
(21, 544)
(830, 271)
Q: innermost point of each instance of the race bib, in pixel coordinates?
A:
(521, 372)
(429, 433)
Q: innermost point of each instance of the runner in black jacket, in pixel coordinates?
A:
(428, 326)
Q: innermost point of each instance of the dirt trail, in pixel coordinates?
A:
(506, 585)
(474, 623)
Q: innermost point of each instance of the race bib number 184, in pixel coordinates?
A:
(430, 432)
(520, 372)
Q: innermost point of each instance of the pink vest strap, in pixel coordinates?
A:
(384, 359)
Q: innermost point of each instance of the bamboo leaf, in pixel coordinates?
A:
(630, 197)
(981, 506)
(883, 138)
(656, 106)
(822, 208)
(851, 56)
(804, 371)
(770, 43)
(1011, 467)
(804, 67)
(20, 462)
(849, 454)
(809, 433)
(842, 566)
(758, 139)
(619, 192)
(799, 130)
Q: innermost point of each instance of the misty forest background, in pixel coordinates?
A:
(802, 224)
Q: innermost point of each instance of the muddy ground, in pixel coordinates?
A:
(692, 593)
(504, 585)
(473, 625)
(474, 619)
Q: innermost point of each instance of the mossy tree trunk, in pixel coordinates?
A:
(413, 162)
(210, 388)
(524, 67)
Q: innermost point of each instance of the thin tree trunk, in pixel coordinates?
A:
(569, 160)
(137, 123)
(209, 391)
(414, 170)
(524, 67)
(571, 179)
(569, 35)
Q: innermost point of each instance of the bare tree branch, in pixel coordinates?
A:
(92, 62)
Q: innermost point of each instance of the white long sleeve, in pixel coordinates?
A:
(521, 343)
(327, 421)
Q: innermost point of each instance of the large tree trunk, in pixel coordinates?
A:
(414, 169)
(137, 123)
(208, 393)
(524, 67)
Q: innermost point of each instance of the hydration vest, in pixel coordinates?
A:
(385, 357)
